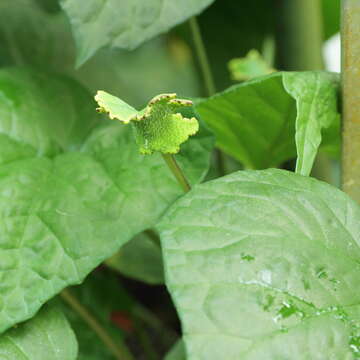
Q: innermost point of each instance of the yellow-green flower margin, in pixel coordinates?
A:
(159, 127)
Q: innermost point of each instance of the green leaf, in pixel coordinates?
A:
(249, 67)
(31, 35)
(47, 336)
(33, 108)
(34, 33)
(158, 127)
(124, 24)
(265, 265)
(255, 122)
(316, 100)
(177, 352)
(140, 259)
(67, 206)
(102, 296)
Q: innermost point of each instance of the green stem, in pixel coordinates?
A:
(176, 170)
(145, 341)
(202, 56)
(208, 78)
(268, 50)
(350, 34)
(118, 349)
(147, 317)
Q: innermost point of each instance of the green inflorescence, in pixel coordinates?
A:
(160, 126)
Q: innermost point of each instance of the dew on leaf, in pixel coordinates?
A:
(266, 276)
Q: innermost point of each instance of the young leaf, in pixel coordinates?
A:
(316, 101)
(249, 67)
(265, 265)
(47, 336)
(158, 127)
(140, 259)
(103, 297)
(77, 195)
(124, 24)
(256, 121)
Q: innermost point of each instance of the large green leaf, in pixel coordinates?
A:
(140, 259)
(40, 36)
(124, 24)
(68, 206)
(256, 121)
(45, 113)
(30, 35)
(265, 265)
(102, 296)
(47, 336)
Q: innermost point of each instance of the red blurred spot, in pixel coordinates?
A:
(122, 320)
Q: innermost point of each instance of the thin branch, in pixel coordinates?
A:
(176, 170)
(118, 349)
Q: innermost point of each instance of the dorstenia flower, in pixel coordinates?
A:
(159, 127)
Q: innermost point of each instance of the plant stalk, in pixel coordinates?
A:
(208, 78)
(176, 170)
(118, 349)
(350, 39)
(202, 56)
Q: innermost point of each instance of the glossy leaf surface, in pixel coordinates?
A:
(71, 197)
(265, 265)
